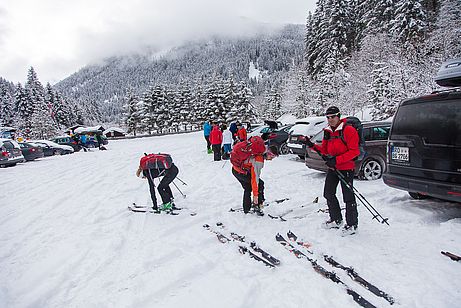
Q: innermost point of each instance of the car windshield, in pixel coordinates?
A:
(436, 123)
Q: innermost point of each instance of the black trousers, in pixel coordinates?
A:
(329, 192)
(245, 181)
(164, 186)
(217, 151)
(208, 143)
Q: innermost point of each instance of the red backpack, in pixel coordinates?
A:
(243, 150)
(158, 161)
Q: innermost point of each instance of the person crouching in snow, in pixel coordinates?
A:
(156, 165)
(251, 181)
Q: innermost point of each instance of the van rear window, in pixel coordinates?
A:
(435, 122)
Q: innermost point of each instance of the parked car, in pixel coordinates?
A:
(266, 128)
(279, 138)
(424, 148)
(31, 151)
(304, 127)
(67, 140)
(373, 164)
(58, 149)
(10, 153)
(47, 150)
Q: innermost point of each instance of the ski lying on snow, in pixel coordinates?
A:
(253, 246)
(324, 272)
(349, 270)
(242, 248)
(451, 255)
(266, 204)
(144, 208)
(149, 210)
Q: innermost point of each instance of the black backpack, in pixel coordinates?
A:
(355, 123)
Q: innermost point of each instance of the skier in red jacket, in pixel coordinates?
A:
(216, 141)
(340, 145)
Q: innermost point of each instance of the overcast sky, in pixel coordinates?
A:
(57, 37)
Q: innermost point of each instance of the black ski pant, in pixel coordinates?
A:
(245, 181)
(217, 151)
(208, 143)
(164, 186)
(329, 192)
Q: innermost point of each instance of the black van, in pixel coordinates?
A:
(424, 147)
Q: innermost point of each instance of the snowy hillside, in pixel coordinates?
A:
(68, 240)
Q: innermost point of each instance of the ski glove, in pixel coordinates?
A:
(330, 161)
(306, 140)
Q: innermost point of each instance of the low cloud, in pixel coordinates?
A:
(60, 37)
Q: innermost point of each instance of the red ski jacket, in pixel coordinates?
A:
(215, 136)
(334, 146)
(242, 134)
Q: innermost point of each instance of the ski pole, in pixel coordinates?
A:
(183, 183)
(365, 202)
(184, 196)
(356, 193)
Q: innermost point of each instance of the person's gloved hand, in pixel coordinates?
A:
(255, 200)
(306, 140)
(330, 161)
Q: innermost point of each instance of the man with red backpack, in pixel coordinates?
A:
(247, 160)
(340, 146)
(156, 165)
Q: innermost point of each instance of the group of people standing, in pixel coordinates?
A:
(221, 138)
(339, 148)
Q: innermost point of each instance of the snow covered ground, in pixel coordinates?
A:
(68, 240)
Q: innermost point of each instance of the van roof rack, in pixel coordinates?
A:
(455, 89)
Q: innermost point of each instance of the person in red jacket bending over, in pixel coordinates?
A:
(340, 145)
(216, 140)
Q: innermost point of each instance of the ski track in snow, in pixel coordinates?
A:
(68, 240)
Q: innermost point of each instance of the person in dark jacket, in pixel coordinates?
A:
(206, 134)
(216, 141)
(233, 130)
(340, 146)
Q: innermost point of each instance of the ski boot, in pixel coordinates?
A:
(332, 224)
(348, 230)
(167, 207)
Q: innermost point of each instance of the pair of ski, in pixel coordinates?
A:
(331, 275)
(147, 209)
(254, 251)
(451, 255)
(259, 211)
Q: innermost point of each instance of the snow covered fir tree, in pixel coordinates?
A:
(358, 55)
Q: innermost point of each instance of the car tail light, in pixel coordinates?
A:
(32, 150)
(5, 154)
(272, 136)
(74, 142)
(454, 193)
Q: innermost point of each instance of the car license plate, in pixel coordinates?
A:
(400, 153)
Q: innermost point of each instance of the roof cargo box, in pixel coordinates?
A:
(449, 74)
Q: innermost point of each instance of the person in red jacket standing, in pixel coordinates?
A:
(340, 145)
(241, 132)
(216, 141)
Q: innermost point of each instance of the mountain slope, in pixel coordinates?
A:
(196, 62)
